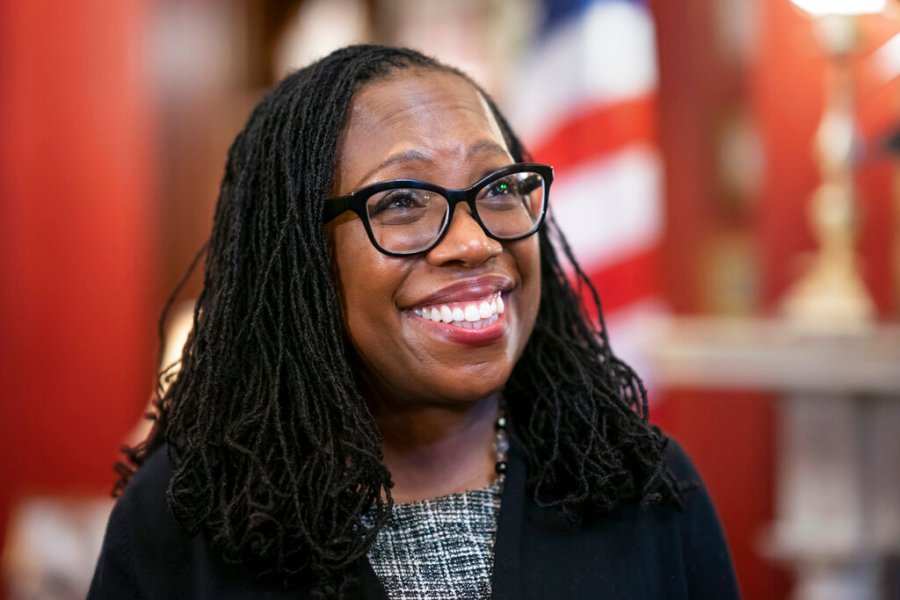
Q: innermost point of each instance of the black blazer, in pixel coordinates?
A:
(662, 552)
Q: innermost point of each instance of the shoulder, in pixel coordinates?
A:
(680, 465)
(142, 537)
(707, 561)
(695, 508)
(147, 554)
(145, 494)
(694, 496)
(665, 550)
(143, 507)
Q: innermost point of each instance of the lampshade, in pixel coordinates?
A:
(841, 7)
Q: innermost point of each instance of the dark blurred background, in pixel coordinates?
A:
(691, 124)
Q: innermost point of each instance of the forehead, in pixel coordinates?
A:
(433, 116)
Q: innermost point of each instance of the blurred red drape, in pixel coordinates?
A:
(77, 290)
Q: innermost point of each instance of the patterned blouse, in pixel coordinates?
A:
(441, 548)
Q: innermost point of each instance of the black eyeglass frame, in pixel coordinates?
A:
(356, 201)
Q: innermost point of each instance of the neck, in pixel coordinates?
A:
(434, 451)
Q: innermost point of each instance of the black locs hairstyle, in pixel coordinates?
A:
(276, 455)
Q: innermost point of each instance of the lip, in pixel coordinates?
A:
(467, 337)
(467, 289)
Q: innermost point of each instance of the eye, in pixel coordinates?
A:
(396, 206)
(502, 194)
(502, 187)
(395, 199)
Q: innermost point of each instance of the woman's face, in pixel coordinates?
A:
(432, 126)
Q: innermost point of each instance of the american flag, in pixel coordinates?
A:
(586, 103)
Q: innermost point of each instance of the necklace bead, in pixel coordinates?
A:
(501, 444)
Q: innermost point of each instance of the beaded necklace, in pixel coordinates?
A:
(501, 444)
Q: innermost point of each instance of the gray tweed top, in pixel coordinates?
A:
(441, 548)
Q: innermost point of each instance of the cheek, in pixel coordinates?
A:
(349, 259)
(527, 256)
(368, 281)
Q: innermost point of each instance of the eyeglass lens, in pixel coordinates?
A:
(409, 220)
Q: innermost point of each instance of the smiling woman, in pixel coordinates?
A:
(391, 389)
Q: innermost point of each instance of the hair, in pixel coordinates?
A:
(277, 459)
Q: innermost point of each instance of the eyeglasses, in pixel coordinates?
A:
(407, 216)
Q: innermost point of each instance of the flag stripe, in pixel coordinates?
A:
(598, 131)
(610, 208)
(587, 104)
(604, 56)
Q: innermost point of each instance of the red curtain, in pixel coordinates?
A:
(77, 237)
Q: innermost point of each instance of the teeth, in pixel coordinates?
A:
(472, 313)
(484, 310)
(469, 316)
(476, 324)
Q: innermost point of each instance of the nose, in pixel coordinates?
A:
(465, 242)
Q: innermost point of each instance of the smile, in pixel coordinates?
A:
(472, 314)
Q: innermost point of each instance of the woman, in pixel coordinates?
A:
(390, 389)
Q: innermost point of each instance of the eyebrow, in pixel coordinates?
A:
(395, 159)
(479, 147)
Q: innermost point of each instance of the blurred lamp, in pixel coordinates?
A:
(841, 7)
(831, 296)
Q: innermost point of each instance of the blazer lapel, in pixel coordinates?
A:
(505, 581)
(370, 587)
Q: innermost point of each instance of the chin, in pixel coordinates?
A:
(476, 388)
